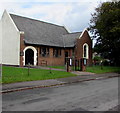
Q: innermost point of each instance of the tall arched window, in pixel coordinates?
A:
(85, 51)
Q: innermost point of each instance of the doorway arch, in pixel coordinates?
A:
(30, 56)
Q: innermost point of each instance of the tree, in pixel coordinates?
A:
(105, 25)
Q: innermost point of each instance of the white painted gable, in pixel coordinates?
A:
(10, 41)
(0, 42)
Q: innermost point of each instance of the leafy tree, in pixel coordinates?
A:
(105, 25)
(98, 58)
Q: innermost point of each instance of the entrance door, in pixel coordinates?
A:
(29, 57)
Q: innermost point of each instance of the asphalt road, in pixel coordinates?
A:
(97, 95)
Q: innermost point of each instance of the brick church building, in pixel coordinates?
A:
(25, 40)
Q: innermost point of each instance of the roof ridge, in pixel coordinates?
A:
(36, 20)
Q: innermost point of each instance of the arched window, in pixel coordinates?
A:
(85, 51)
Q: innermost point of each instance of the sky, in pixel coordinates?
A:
(75, 15)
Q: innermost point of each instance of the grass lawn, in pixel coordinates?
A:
(95, 69)
(15, 74)
(106, 69)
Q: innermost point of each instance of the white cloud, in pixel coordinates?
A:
(53, 1)
(75, 15)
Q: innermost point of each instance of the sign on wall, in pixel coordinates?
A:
(22, 53)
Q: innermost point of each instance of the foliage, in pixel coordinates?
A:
(16, 74)
(105, 25)
(97, 58)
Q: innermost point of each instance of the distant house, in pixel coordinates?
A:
(25, 40)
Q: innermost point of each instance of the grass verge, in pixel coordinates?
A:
(15, 74)
(95, 69)
(105, 69)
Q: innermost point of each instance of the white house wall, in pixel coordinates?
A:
(10, 41)
(0, 42)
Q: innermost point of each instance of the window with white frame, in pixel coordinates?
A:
(85, 50)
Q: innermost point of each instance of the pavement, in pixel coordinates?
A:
(82, 76)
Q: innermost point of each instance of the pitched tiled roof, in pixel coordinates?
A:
(42, 33)
(70, 39)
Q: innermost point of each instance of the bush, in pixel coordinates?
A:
(106, 63)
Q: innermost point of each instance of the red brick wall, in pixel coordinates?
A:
(51, 60)
(22, 46)
(79, 47)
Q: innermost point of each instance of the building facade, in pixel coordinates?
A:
(29, 41)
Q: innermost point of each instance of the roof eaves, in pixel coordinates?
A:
(43, 44)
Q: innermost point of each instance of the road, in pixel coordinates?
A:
(97, 95)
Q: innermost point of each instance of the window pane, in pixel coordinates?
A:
(44, 51)
(47, 51)
(56, 52)
(85, 51)
(60, 52)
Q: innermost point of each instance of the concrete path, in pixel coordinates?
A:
(82, 76)
(44, 67)
(82, 73)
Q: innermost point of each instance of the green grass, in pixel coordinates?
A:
(106, 69)
(15, 74)
(95, 69)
